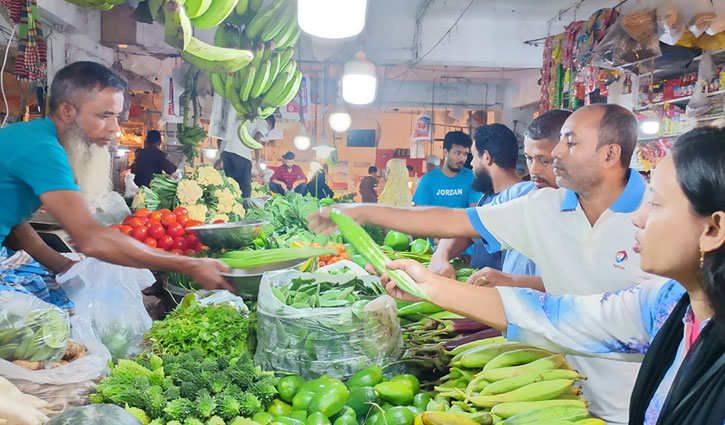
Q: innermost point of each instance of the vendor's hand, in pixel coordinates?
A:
(422, 276)
(320, 222)
(441, 267)
(489, 277)
(205, 272)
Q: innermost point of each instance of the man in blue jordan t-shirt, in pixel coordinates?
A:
(86, 100)
(450, 185)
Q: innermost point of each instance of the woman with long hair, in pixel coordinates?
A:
(396, 192)
(676, 322)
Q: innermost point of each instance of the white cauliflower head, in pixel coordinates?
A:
(235, 187)
(197, 212)
(189, 192)
(225, 200)
(208, 176)
(239, 210)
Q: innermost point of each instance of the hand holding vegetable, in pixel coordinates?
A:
(320, 221)
(205, 271)
(423, 277)
(489, 277)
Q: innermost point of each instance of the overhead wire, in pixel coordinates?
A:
(418, 60)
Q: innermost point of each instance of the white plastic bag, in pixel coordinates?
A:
(700, 104)
(341, 265)
(670, 23)
(108, 297)
(112, 210)
(131, 188)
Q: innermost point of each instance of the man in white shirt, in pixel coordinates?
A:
(237, 158)
(580, 236)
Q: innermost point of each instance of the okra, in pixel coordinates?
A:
(421, 307)
(372, 253)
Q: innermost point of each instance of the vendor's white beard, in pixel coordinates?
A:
(91, 165)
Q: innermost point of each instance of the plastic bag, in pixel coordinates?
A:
(97, 414)
(31, 329)
(341, 265)
(618, 49)
(670, 23)
(700, 104)
(315, 341)
(66, 385)
(109, 298)
(130, 184)
(112, 209)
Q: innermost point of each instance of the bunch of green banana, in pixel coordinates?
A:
(271, 79)
(190, 139)
(516, 383)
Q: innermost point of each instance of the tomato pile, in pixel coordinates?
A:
(163, 229)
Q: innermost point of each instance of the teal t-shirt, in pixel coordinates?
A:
(32, 162)
(435, 189)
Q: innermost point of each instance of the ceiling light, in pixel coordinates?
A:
(210, 152)
(339, 119)
(359, 80)
(650, 124)
(331, 18)
(302, 141)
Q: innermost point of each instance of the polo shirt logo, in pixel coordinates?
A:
(621, 257)
(449, 192)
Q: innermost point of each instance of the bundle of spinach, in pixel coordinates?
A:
(214, 329)
(286, 214)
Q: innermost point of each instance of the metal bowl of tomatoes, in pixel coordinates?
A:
(232, 235)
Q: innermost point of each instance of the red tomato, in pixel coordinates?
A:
(165, 242)
(192, 241)
(189, 251)
(144, 220)
(142, 212)
(219, 221)
(156, 215)
(151, 242)
(182, 219)
(135, 222)
(181, 211)
(153, 220)
(140, 233)
(157, 230)
(127, 220)
(126, 229)
(197, 250)
(179, 243)
(175, 229)
(165, 211)
(115, 226)
(192, 223)
(168, 219)
(177, 251)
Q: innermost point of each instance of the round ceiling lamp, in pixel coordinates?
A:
(302, 141)
(331, 18)
(359, 80)
(339, 119)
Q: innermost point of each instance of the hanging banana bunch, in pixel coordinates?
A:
(190, 137)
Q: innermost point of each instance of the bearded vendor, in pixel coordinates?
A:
(86, 100)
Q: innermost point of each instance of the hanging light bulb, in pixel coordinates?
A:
(650, 124)
(359, 81)
(302, 141)
(331, 18)
(339, 119)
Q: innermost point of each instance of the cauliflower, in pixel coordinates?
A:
(225, 200)
(189, 192)
(138, 200)
(196, 212)
(208, 176)
(222, 217)
(238, 209)
(235, 187)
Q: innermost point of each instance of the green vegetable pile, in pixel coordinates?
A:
(286, 214)
(189, 389)
(216, 330)
(313, 293)
(42, 335)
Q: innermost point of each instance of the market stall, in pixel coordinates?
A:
(309, 335)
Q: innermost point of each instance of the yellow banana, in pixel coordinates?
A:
(545, 390)
(507, 410)
(549, 415)
(274, 74)
(247, 83)
(195, 8)
(246, 138)
(215, 14)
(278, 22)
(590, 421)
(241, 8)
(177, 28)
(510, 384)
(215, 59)
(260, 79)
(516, 357)
(261, 19)
(547, 363)
(290, 91)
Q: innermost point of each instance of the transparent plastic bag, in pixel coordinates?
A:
(112, 209)
(64, 385)
(670, 23)
(334, 341)
(618, 49)
(109, 298)
(700, 104)
(32, 330)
